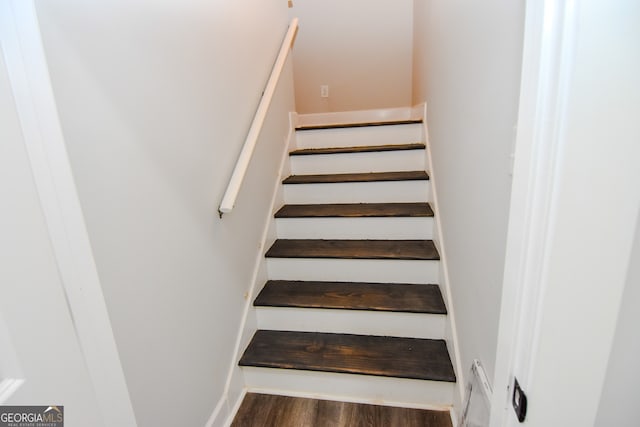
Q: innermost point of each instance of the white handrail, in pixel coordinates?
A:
(229, 199)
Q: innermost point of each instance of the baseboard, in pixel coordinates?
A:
(233, 409)
(451, 335)
(220, 413)
(245, 331)
(360, 116)
(454, 417)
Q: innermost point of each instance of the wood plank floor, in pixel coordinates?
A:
(266, 410)
(355, 210)
(333, 178)
(358, 149)
(354, 249)
(399, 297)
(415, 358)
(356, 125)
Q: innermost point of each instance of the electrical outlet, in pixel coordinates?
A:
(324, 91)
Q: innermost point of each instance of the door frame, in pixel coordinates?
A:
(45, 146)
(548, 51)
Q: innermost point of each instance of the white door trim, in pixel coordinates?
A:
(44, 142)
(549, 49)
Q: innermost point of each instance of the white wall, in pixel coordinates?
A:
(584, 318)
(360, 48)
(466, 67)
(155, 99)
(618, 403)
(33, 306)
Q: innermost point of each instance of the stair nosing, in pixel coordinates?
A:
(358, 124)
(358, 149)
(336, 178)
(322, 249)
(420, 210)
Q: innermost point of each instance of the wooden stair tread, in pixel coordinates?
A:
(398, 297)
(355, 210)
(356, 177)
(358, 149)
(354, 249)
(360, 124)
(415, 358)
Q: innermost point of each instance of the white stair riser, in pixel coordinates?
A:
(358, 116)
(365, 388)
(379, 161)
(353, 270)
(359, 136)
(355, 228)
(384, 323)
(358, 192)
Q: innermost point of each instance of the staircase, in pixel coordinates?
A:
(353, 273)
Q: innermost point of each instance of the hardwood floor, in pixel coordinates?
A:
(265, 410)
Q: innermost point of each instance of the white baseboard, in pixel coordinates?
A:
(451, 331)
(220, 413)
(233, 409)
(454, 417)
(245, 331)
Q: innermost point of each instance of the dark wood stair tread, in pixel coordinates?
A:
(356, 177)
(415, 358)
(358, 149)
(355, 210)
(361, 124)
(398, 297)
(354, 249)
